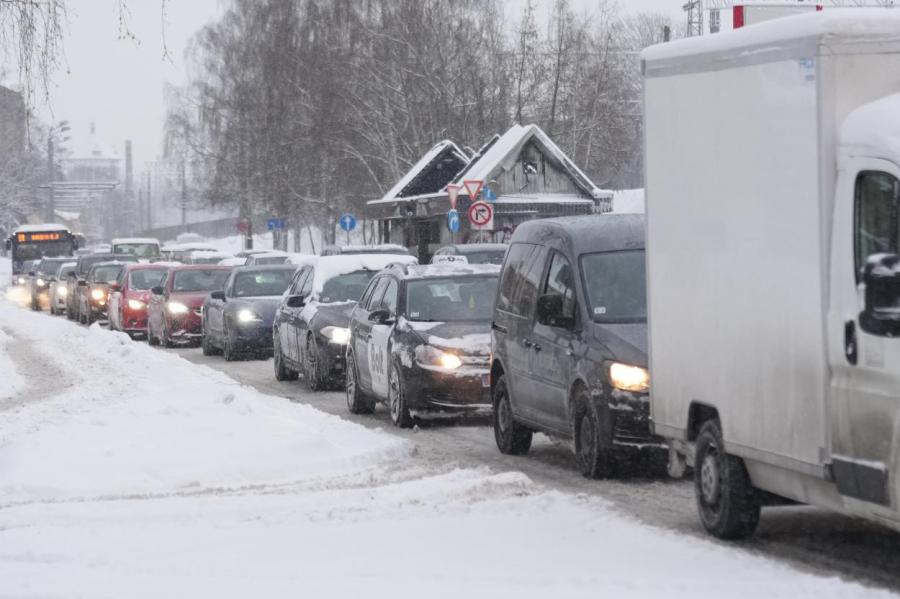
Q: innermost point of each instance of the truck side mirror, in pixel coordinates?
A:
(550, 312)
(881, 315)
(296, 301)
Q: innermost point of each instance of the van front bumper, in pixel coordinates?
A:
(629, 421)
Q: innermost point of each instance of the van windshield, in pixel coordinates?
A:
(616, 286)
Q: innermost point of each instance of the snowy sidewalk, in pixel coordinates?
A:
(147, 476)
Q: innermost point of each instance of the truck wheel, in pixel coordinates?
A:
(400, 415)
(512, 438)
(357, 402)
(592, 460)
(728, 504)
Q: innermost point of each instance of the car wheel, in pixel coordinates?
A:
(400, 415)
(205, 345)
(592, 461)
(357, 402)
(729, 506)
(282, 372)
(228, 346)
(512, 438)
(313, 365)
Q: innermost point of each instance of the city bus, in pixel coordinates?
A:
(33, 242)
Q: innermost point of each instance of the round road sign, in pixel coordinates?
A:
(481, 214)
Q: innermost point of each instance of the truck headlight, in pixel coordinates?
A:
(428, 355)
(247, 315)
(134, 304)
(339, 335)
(176, 308)
(629, 378)
(97, 294)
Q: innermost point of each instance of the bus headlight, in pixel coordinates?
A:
(629, 378)
(176, 308)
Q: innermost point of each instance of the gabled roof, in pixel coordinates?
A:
(430, 174)
(504, 152)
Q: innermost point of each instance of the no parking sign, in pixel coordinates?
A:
(481, 216)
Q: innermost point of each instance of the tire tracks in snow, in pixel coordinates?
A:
(44, 377)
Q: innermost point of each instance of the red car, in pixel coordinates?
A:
(176, 303)
(130, 294)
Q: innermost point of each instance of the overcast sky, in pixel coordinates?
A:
(117, 83)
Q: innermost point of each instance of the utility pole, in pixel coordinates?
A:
(183, 195)
(51, 208)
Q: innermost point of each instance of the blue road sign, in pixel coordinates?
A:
(274, 224)
(348, 222)
(453, 221)
(488, 194)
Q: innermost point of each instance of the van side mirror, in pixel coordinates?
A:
(218, 295)
(158, 290)
(881, 315)
(380, 317)
(296, 301)
(550, 312)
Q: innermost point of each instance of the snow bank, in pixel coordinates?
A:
(138, 421)
(11, 382)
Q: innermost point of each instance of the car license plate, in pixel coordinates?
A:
(485, 380)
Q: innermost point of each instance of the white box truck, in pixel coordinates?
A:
(773, 209)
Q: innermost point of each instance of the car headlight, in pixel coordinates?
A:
(40, 282)
(176, 308)
(62, 291)
(429, 355)
(134, 304)
(629, 378)
(20, 280)
(338, 335)
(247, 315)
(97, 294)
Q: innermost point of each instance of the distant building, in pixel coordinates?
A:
(12, 120)
(524, 170)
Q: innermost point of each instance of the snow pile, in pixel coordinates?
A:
(11, 381)
(138, 421)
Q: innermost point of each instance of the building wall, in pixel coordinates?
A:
(548, 179)
(12, 120)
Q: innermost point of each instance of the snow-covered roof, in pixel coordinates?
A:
(829, 27)
(183, 247)
(302, 259)
(381, 247)
(328, 267)
(873, 129)
(394, 192)
(503, 153)
(542, 198)
(233, 261)
(40, 228)
(450, 269)
(147, 240)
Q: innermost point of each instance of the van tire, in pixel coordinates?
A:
(728, 505)
(593, 460)
(512, 438)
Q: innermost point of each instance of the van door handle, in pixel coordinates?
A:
(851, 350)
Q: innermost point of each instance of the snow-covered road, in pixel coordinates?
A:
(130, 472)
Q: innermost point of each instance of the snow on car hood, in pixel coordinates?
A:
(470, 338)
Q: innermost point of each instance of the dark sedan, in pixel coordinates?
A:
(82, 266)
(93, 291)
(420, 342)
(238, 320)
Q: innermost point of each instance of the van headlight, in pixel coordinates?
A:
(629, 378)
(247, 315)
(428, 355)
(176, 308)
(339, 335)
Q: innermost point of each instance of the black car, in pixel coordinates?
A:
(82, 266)
(420, 341)
(238, 320)
(471, 253)
(569, 340)
(92, 302)
(311, 331)
(39, 280)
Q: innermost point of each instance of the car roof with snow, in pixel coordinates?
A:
(444, 269)
(470, 248)
(585, 233)
(328, 267)
(179, 266)
(150, 265)
(148, 240)
(350, 250)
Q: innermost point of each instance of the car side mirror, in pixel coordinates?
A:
(30, 273)
(218, 295)
(550, 312)
(115, 287)
(158, 290)
(71, 274)
(881, 315)
(296, 301)
(82, 283)
(380, 316)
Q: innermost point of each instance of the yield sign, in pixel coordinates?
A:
(481, 215)
(453, 193)
(473, 187)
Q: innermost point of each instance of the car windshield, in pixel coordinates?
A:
(271, 260)
(106, 274)
(485, 257)
(65, 270)
(347, 287)
(616, 286)
(262, 283)
(188, 281)
(141, 280)
(451, 298)
(139, 250)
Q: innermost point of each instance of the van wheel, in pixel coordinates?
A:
(729, 506)
(512, 438)
(400, 415)
(592, 460)
(357, 402)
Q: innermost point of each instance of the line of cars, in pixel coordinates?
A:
(547, 334)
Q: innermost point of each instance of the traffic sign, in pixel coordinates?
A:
(348, 222)
(488, 194)
(275, 224)
(473, 186)
(453, 221)
(453, 194)
(481, 215)
(243, 225)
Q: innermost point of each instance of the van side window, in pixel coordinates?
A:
(521, 278)
(530, 283)
(509, 280)
(561, 281)
(876, 216)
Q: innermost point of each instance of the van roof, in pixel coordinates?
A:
(873, 130)
(586, 233)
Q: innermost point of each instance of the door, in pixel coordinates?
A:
(379, 337)
(363, 335)
(551, 350)
(287, 317)
(115, 302)
(215, 324)
(865, 362)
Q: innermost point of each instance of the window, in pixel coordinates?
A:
(451, 299)
(616, 286)
(141, 280)
(263, 283)
(378, 294)
(389, 302)
(561, 281)
(192, 281)
(509, 281)
(297, 287)
(876, 216)
(367, 294)
(530, 281)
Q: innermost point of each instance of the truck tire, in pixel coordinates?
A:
(728, 504)
(357, 402)
(593, 460)
(512, 438)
